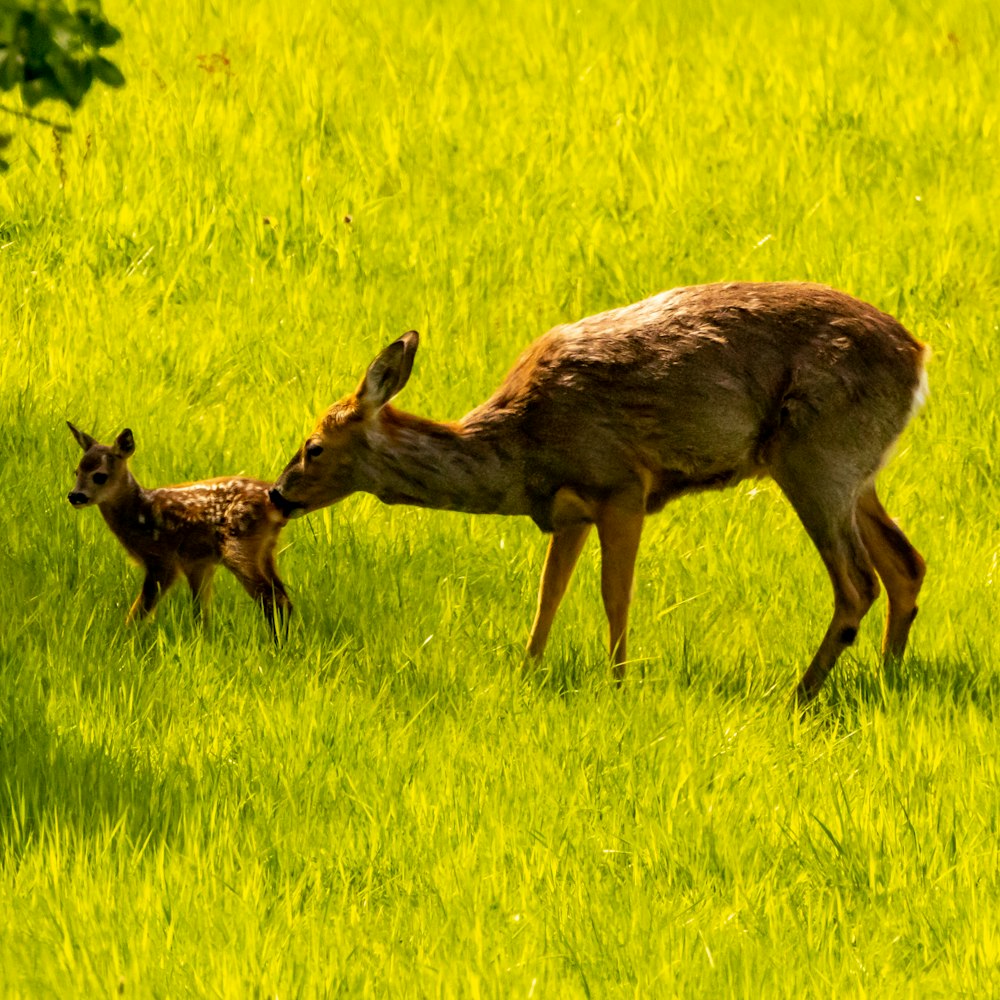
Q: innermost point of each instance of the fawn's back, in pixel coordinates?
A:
(204, 519)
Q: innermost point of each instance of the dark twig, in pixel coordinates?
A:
(39, 119)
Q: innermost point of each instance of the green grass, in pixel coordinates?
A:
(384, 807)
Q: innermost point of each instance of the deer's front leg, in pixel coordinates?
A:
(158, 578)
(199, 577)
(564, 551)
(619, 530)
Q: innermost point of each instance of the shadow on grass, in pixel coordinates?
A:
(854, 685)
(564, 672)
(959, 682)
(54, 785)
(583, 668)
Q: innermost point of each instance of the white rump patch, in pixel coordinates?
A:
(920, 394)
(922, 391)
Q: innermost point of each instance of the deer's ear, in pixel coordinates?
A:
(124, 444)
(389, 372)
(85, 441)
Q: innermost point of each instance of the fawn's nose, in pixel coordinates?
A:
(77, 499)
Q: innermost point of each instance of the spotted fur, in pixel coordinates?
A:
(188, 529)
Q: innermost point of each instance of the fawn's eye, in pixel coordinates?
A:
(314, 450)
(100, 478)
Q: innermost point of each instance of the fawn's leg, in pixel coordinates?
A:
(159, 577)
(279, 594)
(199, 577)
(244, 563)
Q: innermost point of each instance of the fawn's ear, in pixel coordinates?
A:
(124, 444)
(83, 440)
(389, 372)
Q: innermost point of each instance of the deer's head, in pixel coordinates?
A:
(103, 470)
(327, 466)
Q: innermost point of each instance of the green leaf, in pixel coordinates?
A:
(11, 70)
(107, 72)
(73, 77)
(103, 34)
(39, 89)
(97, 31)
(48, 47)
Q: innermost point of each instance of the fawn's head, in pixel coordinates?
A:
(103, 470)
(325, 469)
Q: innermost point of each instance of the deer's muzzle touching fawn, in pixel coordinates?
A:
(603, 421)
(187, 529)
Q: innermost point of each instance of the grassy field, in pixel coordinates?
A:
(384, 806)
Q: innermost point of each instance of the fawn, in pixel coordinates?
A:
(602, 421)
(186, 529)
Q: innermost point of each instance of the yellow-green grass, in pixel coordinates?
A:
(384, 806)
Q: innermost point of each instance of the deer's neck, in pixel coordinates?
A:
(412, 460)
(128, 510)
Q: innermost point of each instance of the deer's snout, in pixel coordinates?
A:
(288, 508)
(78, 499)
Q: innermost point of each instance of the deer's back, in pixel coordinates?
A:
(694, 382)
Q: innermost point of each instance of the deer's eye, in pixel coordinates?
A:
(100, 478)
(314, 450)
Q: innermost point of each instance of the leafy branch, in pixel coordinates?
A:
(50, 50)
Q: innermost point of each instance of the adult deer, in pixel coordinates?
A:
(602, 421)
(186, 529)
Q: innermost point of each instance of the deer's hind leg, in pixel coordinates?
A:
(898, 564)
(281, 600)
(257, 576)
(826, 505)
